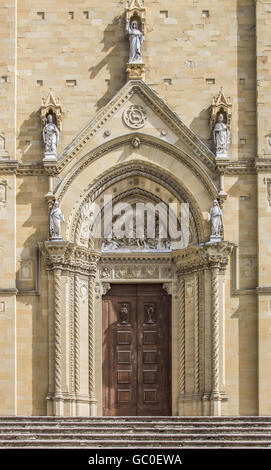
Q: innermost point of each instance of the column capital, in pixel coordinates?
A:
(67, 256)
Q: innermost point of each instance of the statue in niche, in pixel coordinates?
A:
(215, 216)
(124, 314)
(221, 136)
(136, 39)
(50, 136)
(56, 217)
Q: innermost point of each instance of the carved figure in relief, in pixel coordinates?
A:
(136, 39)
(149, 311)
(216, 217)
(2, 193)
(221, 136)
(50, 135)
(56, 217)
(124, 314)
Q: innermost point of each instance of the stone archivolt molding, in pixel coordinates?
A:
(159, 107)
(151, 141)
(132, 169)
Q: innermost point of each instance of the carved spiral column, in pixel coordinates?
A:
(76, 336)
(91, 347)
(215, 338)
(57, 322)
(197, 351)
(182, 337)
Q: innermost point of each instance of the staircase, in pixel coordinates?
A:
(135, 432)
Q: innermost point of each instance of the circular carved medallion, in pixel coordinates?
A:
(135, 116)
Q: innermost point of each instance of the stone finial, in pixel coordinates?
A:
(135, 9)
(51, 105)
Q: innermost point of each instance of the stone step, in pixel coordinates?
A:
(93, 421)
(107, 444)
(136, 436)
(120, 430)
(138, 418)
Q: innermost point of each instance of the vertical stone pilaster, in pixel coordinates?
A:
(77, 264)
(199, 270)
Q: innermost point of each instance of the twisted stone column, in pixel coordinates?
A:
(76, 336)
(57, 323)
(216, 398)
(91, 347)
(182, 338)
(197, 352)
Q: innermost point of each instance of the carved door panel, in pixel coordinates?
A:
(153, 351)
(136, 351)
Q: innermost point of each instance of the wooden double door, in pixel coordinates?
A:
(137, 351)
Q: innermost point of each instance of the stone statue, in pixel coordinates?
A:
(56, 217)
(136, 38)
(215, 216)
(221, 136)
(50, 136)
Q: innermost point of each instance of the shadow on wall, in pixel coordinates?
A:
(33, 316)
(116, 47)
(30, 139)
(201, 126)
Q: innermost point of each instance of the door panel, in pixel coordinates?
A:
(136, 351)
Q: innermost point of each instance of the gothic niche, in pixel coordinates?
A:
(51, 124)
(220, 124)
(124, 314)
(149, 313)
(135, 29)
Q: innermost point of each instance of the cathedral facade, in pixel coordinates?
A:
(108, 109)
